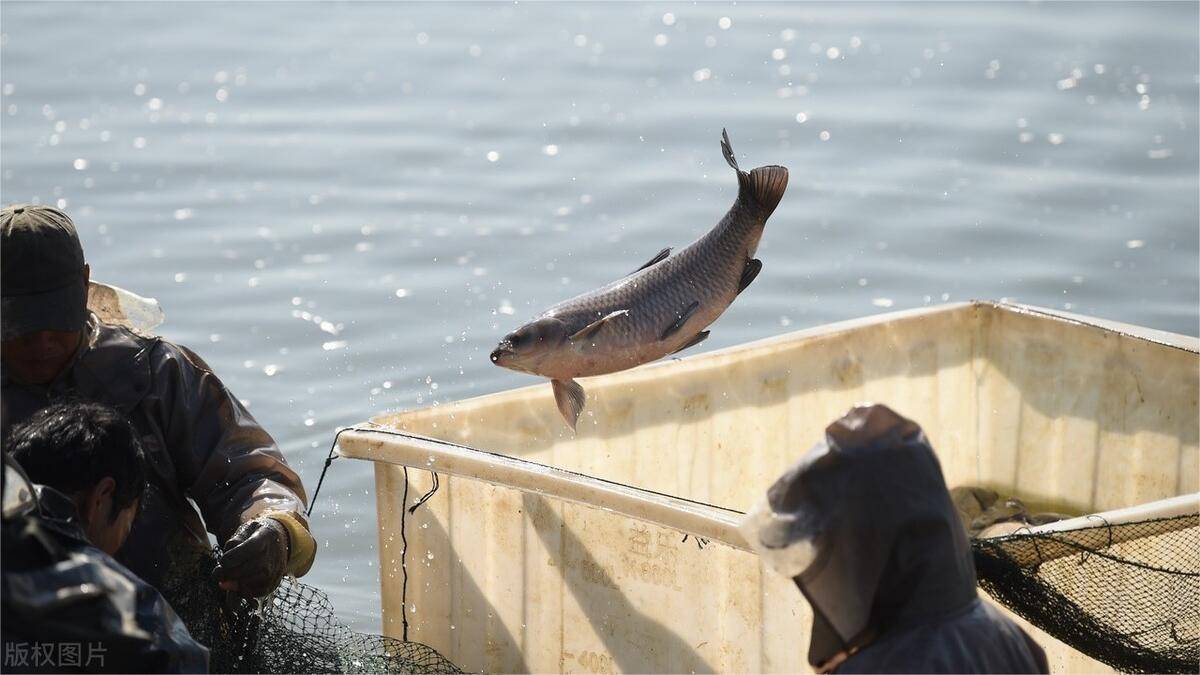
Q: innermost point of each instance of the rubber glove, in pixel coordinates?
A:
(255, 558)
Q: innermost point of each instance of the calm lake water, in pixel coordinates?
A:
(343, 207)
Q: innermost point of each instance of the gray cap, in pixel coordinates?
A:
(41, 271)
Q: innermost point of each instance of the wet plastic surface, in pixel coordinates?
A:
(118, 306)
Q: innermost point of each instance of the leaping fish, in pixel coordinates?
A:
(660, 308)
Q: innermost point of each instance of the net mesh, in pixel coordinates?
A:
(1126, 595)
(294, 630)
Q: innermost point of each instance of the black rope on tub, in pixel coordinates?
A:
(328, 461)
(404, 544)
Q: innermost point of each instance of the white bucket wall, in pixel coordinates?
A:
(1046, 407)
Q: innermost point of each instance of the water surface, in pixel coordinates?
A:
(343, 206)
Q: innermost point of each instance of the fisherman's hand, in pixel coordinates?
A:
(255, 558)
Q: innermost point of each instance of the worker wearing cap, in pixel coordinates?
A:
(202, 446)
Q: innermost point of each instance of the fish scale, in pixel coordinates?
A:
(708, 270)
(644, 315)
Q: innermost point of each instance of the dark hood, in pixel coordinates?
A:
(874, 537)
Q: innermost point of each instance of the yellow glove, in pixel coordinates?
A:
(302, 548)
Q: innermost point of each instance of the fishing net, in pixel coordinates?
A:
(294, 630)
(1126, 595)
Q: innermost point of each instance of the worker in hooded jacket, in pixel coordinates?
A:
(201, 444)
(865, 527)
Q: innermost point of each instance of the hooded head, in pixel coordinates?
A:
(525, 348)
(865, 527)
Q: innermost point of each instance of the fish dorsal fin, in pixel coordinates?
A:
(659, 257)
(569, 397)
(589, 330)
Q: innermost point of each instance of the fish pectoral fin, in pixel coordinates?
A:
(569, 397)
(697, 339)
(659, 257)
(589, 330)
(749, 272)
(683, 317)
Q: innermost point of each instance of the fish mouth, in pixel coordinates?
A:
(504, 349)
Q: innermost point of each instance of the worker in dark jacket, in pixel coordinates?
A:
(864, 525)
(200, 442)
(67, 604)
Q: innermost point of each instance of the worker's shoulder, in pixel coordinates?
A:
(115, 341)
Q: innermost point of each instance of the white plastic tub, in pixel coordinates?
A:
(1066, 412)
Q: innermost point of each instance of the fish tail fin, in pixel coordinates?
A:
(764, 185)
